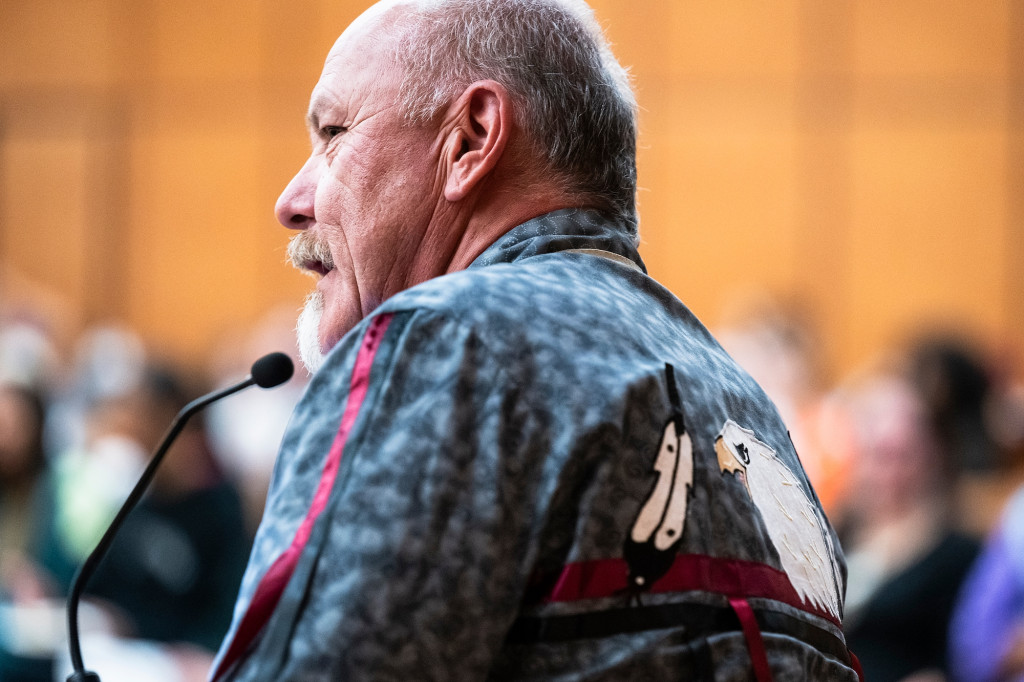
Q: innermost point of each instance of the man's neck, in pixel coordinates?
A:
(486, 229)
(461, 231)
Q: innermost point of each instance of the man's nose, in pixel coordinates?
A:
(294, 207)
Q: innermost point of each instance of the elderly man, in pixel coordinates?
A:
(519, 457)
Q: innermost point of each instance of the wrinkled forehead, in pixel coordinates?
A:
(373, 32)
(362, 61)
(368, 45)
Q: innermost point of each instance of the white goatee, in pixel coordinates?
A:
(312, 256)
(307, 331)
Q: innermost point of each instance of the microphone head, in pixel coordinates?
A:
(273, 369)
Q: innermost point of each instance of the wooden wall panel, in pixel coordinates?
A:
(198, 41)
(862, 158)
(46, 220)
(1014, 258)
(61, 180)
(56, 42)
(929, 207)
(716, 85)
(193, 267)
(725, 38)
(940, 38)
(718, 209)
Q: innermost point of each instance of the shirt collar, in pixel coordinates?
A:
(562, 230)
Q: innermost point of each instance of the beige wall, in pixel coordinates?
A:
(864, 160)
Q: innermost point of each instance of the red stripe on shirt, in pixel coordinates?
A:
(752, 635)
(272, 585)
(731, 577)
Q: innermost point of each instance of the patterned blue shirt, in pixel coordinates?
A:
(542, 467)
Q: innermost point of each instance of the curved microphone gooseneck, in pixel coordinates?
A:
(269, 371)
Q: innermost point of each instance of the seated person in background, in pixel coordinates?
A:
(173, 567)
(987, 633)
(906, 556)
(22, 467)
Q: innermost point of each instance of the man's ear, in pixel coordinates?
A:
(482, 124)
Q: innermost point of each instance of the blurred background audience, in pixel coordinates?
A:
(915, 457)
(906, 552)
(987, 633)
(75, 435)
(180, 554)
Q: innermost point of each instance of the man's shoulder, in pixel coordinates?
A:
(552, 287)
(501, 307)
(500, 287)
(579, 314)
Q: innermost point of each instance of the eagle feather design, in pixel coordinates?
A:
(795, 525)
(653, 541)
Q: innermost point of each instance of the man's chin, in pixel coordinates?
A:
(308, 332)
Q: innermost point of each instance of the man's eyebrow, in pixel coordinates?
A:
(313, 120)
(313, 117)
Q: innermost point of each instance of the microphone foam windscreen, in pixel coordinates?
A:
(272, 370)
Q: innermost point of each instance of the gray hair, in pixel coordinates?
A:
(573, 98)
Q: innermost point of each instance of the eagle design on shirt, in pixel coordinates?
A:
(795, 525)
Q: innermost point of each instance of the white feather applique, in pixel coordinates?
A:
(794, 523)
(662, 517)
(654, 538)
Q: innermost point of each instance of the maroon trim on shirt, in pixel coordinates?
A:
(272, 585)
(733, 578)
(752, 635)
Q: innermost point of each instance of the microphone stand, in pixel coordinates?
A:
(80, 674)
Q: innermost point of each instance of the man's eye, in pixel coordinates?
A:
(330, 132)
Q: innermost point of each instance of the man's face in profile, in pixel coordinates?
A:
(366, 194)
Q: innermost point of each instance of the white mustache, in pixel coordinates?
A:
(305, 250)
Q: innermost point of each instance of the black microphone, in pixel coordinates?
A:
(269, 371)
